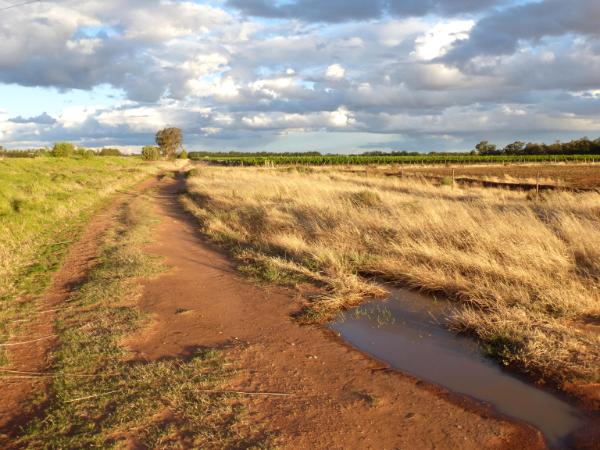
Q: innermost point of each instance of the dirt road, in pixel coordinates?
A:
(339, 398)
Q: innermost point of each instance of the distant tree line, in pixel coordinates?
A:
(583, 146)
(234, 154)
(394, 153)
(169, 146)
(60, 150)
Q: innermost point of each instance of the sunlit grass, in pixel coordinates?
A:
(44, 204)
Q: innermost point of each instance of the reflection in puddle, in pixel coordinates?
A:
(405, 332)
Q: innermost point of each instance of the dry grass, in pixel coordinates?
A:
(523, 270)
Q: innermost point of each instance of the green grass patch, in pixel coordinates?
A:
(45, 203)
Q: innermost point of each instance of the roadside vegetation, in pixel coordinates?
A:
(523, 269)
(99, 397)
(44, 204)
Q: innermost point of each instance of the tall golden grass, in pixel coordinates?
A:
(523, 270)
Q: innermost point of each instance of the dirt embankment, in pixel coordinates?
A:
(578, 177)
(333, 396)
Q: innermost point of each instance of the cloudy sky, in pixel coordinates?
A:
(292, 75)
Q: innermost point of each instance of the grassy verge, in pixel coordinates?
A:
(99, 398)
(523, 270)
(44, 205)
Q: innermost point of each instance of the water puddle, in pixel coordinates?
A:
(405, 331)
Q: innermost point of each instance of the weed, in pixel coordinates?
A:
(17, 204)
(447, 181)
(191, 173)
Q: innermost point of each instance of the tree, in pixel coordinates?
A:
(516, 148)
(533, 148)
(150, 153)
(485, 148)
(183, 155)
(169, 141)
(63, 149)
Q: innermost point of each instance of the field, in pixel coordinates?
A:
(523, 270)
(146, 337)
(374, 159)
(44, 203)
(564, 175)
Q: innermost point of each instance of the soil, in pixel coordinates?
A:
(17, 393)
(339, 397)
(572, 176)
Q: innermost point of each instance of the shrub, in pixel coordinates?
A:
(110, 152)
(17, 204)
(150, 153)
(84, 153)
(447, 181)
(63, 149)
(183, 155)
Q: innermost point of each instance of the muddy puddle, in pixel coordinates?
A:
(406, 332)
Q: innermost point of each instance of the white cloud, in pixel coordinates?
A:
(341, 118)
(438, 40)
(395, 32)
(141, 119)
(76, 115)
(335, 72)
(203, 64)
(221, 75)
(220, 88)
(513, 111)
(273, 87)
